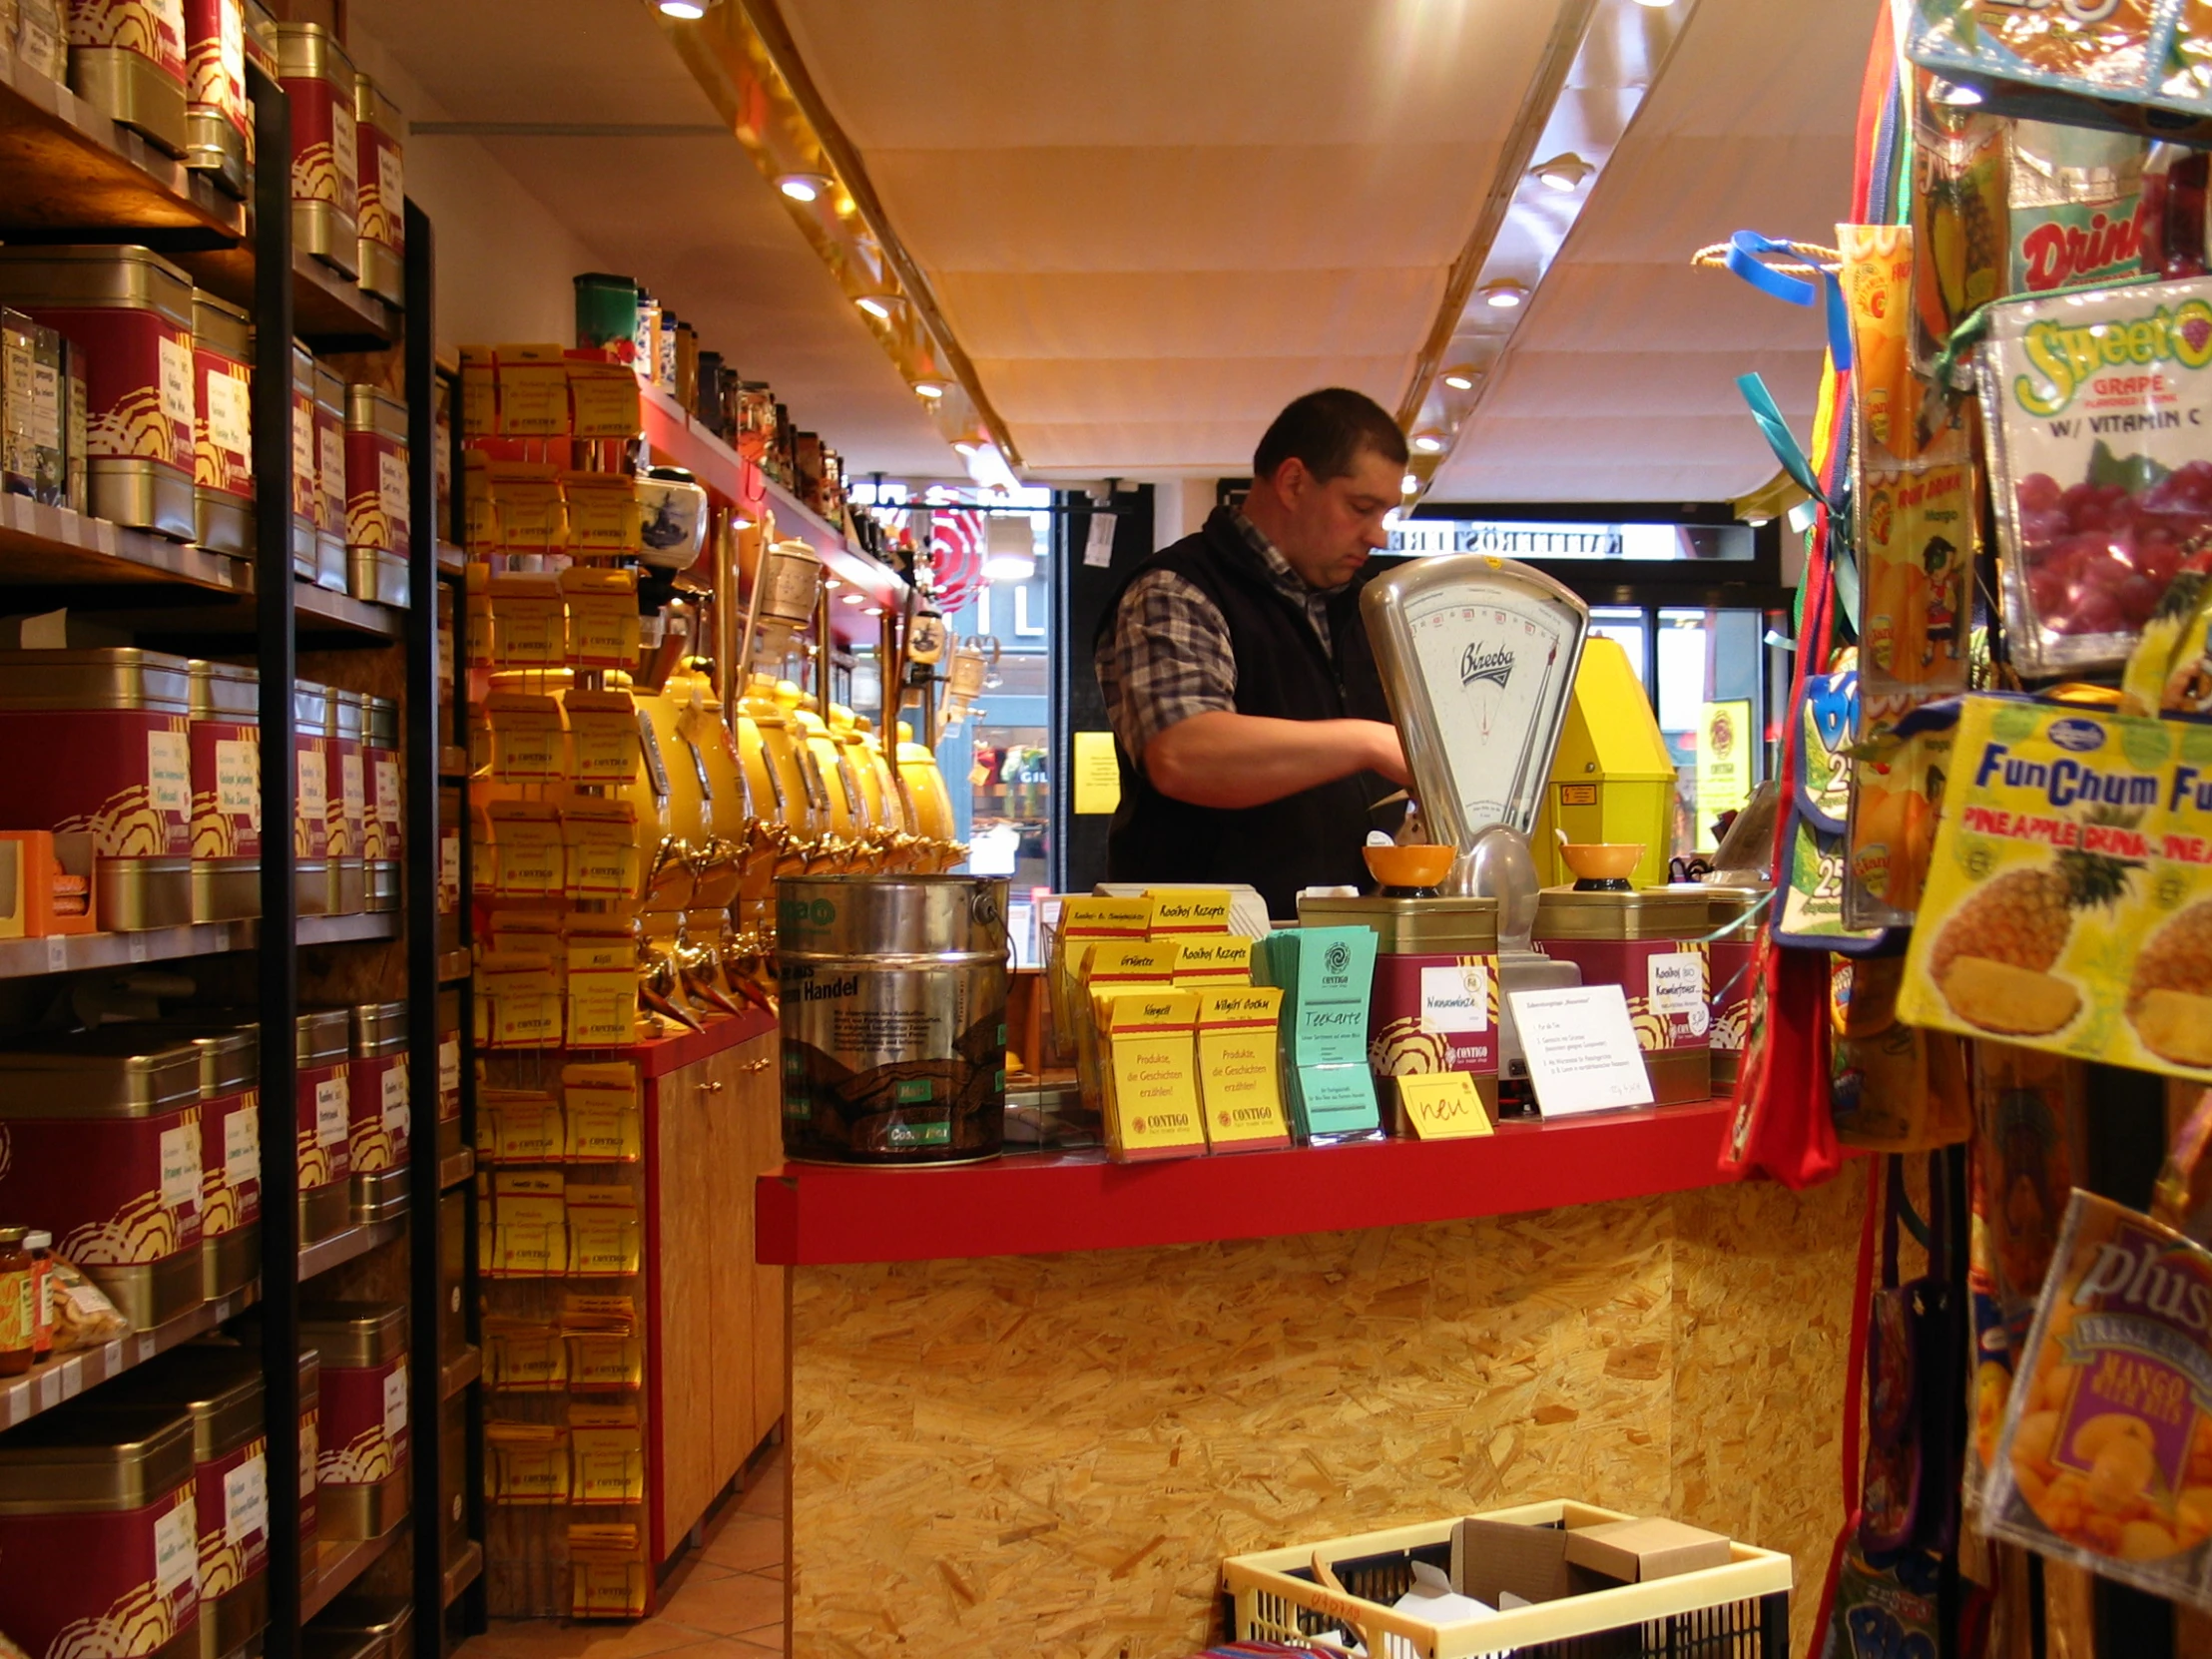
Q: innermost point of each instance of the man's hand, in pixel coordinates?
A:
(1231, 761)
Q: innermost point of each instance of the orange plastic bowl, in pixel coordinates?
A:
(1602, 860)
(1409, 866)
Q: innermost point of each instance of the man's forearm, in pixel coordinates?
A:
(1230, 759)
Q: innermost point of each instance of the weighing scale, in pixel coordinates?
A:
(1477, 657)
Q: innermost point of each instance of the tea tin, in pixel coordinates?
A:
(127, 60)
(383, 830)
(329, 452)
(377, 497)
(311, 820)
(218, 127)
(346, 807)
(1648, 941)
(381, 1118)
(226, 827)
(326, 150)
(384, 192)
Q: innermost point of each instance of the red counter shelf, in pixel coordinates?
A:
(1038, 1204)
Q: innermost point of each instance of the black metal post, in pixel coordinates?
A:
(424, 732)
(278, 998)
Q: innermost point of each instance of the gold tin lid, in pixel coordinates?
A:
(311, 709)
(119, 1071)
(346, 715)
(322, 1641)
(310, 1378)
(95, 276)
(220, 1388)
(389, 1619)
(302, 368)
(1725, 904)
(120, 677)
(329, 390)
(1644, 914)
(222, 327)
(225, 691)
(1411, 927)
(310, 52)
(354, 1335)
(371, 107)
(379, 1028)
(381, 728)
(325, 1036)
(229, 1054)
(77, 1461)
(369, 409)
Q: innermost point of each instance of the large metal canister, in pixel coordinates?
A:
(379, 128)
(325, 146)
(894, 1018)
(222, 431)
(377, 504)
(127, 60)
(226, 792)
(1650, 943)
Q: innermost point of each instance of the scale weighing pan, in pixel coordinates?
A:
(1477, 656)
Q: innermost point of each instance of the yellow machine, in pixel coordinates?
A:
(932, 805)
(1612, 779)
(699, 728)
(806, 810)
(848, 811)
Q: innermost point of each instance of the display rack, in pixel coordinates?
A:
(67, 173)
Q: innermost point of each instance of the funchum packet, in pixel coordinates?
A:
(2106, 1458)
(2100, 408)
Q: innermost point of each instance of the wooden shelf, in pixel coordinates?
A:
(312, 605)
(372, 924)
(75, 952)
(329, 312)
(462, 1370)
(667, 1054)
(338, 1564)
(47, 1386)
(1049, 1202)
(341, 1248)
(42, 546)
(456, 1169)
(463, 1570)
(65, 167)
(454, 967)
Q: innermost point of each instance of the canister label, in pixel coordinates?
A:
(329, 1112)
(1433, 1012)
(246, 1501)
(175, 381)
(241, 1147)
(181, 1166)
(1663, 981)
(169, 772)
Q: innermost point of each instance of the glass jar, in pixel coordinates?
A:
(15, 1302)
(41, 1247)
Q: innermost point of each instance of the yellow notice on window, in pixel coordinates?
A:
(1725, 743)
(1097, 777)
(1442, 1105)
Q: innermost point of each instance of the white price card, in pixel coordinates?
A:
(395, 1404)
(175, 1550)
(1098, 546)
(396, 1118)
(246, 1499)
(179, 1152)
(1582, 1052)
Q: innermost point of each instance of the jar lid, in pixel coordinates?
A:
(37, 1240)
(13, 1235)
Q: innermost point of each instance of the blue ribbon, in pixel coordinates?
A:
(1746, 258)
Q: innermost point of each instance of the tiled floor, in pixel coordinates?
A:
(723, 1600)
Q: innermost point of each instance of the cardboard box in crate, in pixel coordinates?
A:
(1737, 1611)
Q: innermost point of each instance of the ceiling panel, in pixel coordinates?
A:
(1619, 382)
(691, 217)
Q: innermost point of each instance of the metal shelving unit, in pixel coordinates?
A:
(68, 174)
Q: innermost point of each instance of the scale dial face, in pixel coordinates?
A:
(1493, 665)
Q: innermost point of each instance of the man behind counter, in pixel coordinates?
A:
(1249, 722)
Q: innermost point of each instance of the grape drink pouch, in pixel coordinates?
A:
(2105, 1458)
(2100, 408)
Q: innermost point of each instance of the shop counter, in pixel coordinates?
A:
(1034, 1401)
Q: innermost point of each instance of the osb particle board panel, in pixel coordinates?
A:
(1051, 1455)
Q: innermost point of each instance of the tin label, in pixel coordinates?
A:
(353, 796)
(449, 874)
(169, 772)
(395, 1404)
(46, 405)
(391, 184)
(176, 1551)
(241, 1147)
(181, 1167)
(303, 449)
(396, 1116)
(175, 381)
(1675, 984)
(229, 427)
(314, 786)
(246, 1501)
(449, 1066)
(391, 491)
(237, 776)
(230, 45)
(330, 442)
(1456, 998)
(330, 1112)
(345, 152)
(387, 794)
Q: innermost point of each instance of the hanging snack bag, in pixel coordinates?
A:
(2077, 200)
(1960, 217)
(2103, 49)
(2100, 408)
(2106, 1453)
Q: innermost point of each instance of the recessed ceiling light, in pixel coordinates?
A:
(1428, 443)
(852, 598)
(966, 446)
(1409, 484)
(831, 583)
(691, 11)
(1563, 173)
(874, 610)
(1656, 5)
(801, 187)
(1460, 379)
(931, 389)
(1504, 296)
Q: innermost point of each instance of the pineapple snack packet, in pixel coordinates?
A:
(2070, 900)
(2106, 1458)
(1958, 218)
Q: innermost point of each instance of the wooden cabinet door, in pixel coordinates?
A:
(684, 1299)
(763, 1108)
(731, 1272)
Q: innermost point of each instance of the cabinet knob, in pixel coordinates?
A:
(760, 1064)
(710, 1088)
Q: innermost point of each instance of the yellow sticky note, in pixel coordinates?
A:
(1442, 1105)
(1097, 776)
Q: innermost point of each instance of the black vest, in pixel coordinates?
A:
(1312, 839)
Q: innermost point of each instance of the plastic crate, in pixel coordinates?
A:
(1739, 1612)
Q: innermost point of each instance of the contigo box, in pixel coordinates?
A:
(1728, 962)
(311, 822)
(1647, 941)
(377, 501)
(99, 1528)
(130, 313)
(127, 60)
(222, 433)
(347, 809)
(103, 1131)
(218, 127)
(325, 152)
(384, 192)
(1434, 1004)
(121, 716)
(325, 1054)
(330, 462)
(220, 1388)
(362, 1451)
(226, 792)
(383, 833)
(380, 1115)
(306, 474)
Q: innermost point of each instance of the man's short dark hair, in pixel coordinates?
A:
(1327, 429)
